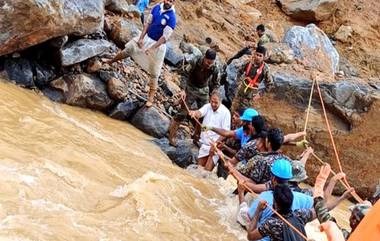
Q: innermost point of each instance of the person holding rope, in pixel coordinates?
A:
(255, 81)
(214, 114)
(148, 50)
(201, 78)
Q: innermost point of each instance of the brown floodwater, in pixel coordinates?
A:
(68, 173)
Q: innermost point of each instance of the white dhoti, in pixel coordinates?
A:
(152, 62)
(205, 151)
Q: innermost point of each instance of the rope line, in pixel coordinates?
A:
(309, 108)
(232, 171)
(344, 182)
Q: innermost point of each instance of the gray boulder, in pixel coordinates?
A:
(26, 23)
(174, 54)
(309, 10)
(151, 121)
(125, 109)
(19, 70)
(123, 30)
(347, 98)
(83, 90)
(83, 49)
(122, 6)
(279, 53)
(183, 155)
(313, 47)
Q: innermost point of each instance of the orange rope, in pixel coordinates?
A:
(333, 142)
(233, 173)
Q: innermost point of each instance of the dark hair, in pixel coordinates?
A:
(210, 54)
(261, 50)
(260, 27)
(283, 197)
(258, 122)
(275, 138)
(241, 111)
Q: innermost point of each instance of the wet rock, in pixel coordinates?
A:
(53, 94)
(124, 30)
(106, 75)
(30, 22)
(313, 47)
(308, 10)
(183, 155)
(117, 89)
(19, 70)
(122, 6)
(173, 55)
(151, 121)
(279, 53)
(43, 74)
(83, 90)
(126, 109)
(344, 33)
(83, 49)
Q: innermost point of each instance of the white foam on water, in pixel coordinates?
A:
(135, 186)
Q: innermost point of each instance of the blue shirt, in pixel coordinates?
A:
(161, 19)
(141, 5)
(300, 201)
(240, 135)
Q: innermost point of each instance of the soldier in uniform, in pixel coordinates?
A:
(254, 82)
(200, 79)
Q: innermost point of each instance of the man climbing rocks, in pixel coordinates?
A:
(214, 114)
(149, 49)
(201, 78)
(255, 81)
(263, 39)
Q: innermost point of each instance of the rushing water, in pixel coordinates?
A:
(72, 174)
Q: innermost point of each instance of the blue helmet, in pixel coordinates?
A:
(249, 114)
(282, 168)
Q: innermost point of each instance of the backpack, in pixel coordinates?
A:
(289, 234)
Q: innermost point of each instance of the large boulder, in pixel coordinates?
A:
(123, 30)
(117, 89)
(311, 45)
(348, 98)
(83, 49)
(184, 154)
(83, 90)
(151, 121)
(25, 23)
(309, 10)
(126, 109)
(279, 53)
(122, 6)
(174, 54)
(19, 70)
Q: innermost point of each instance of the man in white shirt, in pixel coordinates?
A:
(214, 114)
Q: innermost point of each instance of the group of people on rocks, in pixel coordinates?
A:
(250, 148)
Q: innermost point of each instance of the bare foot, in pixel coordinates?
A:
(148, 104)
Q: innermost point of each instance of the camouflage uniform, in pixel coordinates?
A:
(274, 227)
(266, 38)
(198, 91)
(243, 99)
(258, 167)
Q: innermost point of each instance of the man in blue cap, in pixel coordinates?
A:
(243, 133)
